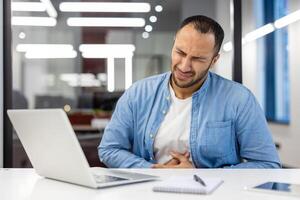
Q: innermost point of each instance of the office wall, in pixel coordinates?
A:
(224, 64)
(198, 7)
(1, 85)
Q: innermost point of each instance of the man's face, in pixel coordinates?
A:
(193, 54)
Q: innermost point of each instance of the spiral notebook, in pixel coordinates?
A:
(186, 184)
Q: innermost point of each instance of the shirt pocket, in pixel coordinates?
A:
(218, 139)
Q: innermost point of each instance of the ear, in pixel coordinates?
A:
(215, 59)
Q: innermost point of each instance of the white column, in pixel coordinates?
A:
(1, 85)
(110, 69)
(128, 71)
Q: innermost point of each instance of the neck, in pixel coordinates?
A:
(183, 93)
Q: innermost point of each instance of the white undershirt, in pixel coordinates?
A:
(174, 132)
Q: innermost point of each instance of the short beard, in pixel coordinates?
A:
(192, 83)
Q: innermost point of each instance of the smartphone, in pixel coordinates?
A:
(277, 188)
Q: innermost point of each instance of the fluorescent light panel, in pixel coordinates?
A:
(110, 74)
(260, 32)
(105, 7)
(43, 51)
(128, 72)
(111, 51)
(50, 54)
(288, 19)
(50, 8)
(33, 21)
(106, 47)
(106, 21)
(41, 47)
(103, 54)
(266, 29)
(106, 50)
(28, 6)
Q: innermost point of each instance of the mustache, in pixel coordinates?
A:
(187, 73)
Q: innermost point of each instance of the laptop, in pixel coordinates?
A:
(54, 151)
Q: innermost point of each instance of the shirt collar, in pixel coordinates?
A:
(204, 86)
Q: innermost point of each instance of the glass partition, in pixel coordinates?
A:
(80, 56)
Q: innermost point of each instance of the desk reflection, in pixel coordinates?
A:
(50, 189)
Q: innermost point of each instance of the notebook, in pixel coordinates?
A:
(187, 184)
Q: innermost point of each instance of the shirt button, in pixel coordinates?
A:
(168, 98)
(164, 112)
(151, 158)
(151, 135)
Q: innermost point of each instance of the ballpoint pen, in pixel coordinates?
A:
(199, 180)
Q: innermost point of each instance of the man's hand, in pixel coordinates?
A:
(172, 162)
(178, 161)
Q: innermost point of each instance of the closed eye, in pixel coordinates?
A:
(180, 52)
(200, 59)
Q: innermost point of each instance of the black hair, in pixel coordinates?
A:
(205, 24)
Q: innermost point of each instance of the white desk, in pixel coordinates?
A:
(25, 184)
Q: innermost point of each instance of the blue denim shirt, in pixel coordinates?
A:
(227, 127)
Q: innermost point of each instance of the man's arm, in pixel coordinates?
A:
(116, 144)
(254, 138)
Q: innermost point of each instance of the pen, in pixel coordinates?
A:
(199, 180)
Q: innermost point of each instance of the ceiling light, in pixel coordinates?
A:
(103, 54)
(153, 19)
(50, 8)
(266, 29)
(228, 45)
(128, 72)
(260, 32)
(28, 6)
(111, 51)
(22, 35)
(107, 50)
(110, 69)
(288, 19)
(50, 54)
(158, 8)
(145, 35)
(148, 28)
(104, 7)
(39, 47)
(33, 21)
(106, 22)
(35, 51)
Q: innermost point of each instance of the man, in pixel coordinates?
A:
(190, 117)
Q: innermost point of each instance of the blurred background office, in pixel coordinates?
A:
(81, 55)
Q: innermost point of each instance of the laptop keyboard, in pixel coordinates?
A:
(118, 175)
(130, 175)
(107, 178)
